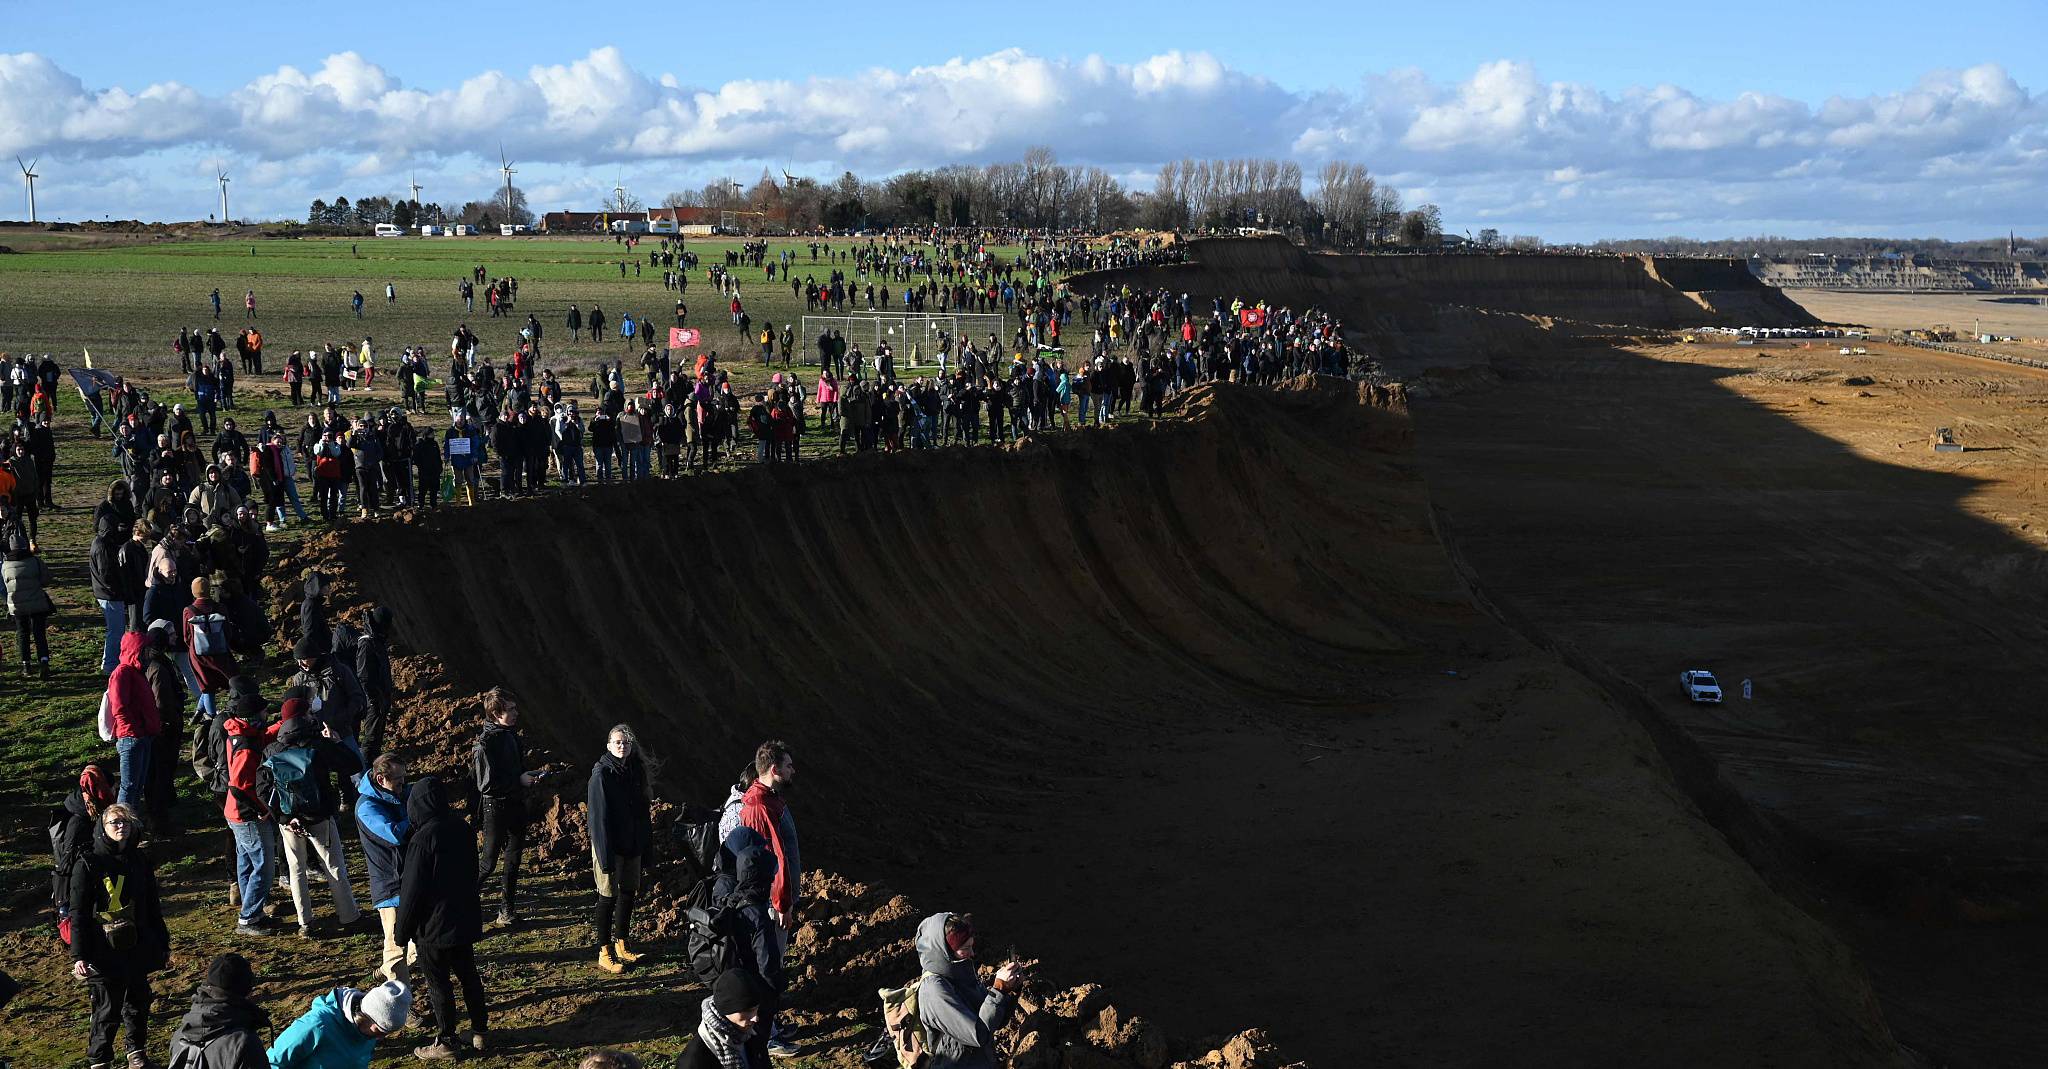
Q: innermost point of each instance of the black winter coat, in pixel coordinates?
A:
(620, 824)
(220, 1032)
(497, 761)
(108, 866)
(437, 897)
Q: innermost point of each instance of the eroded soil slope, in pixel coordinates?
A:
(1196, 709)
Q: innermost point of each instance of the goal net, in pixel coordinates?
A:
(914, 337)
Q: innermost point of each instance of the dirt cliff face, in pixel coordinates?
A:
(1392, 294)
(1198, 709)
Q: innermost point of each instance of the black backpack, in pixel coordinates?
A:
(210, 752)
(708, 943)
(696, 832)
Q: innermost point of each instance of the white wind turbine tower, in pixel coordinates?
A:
(505, 165)
(223, 195)
(415, 190)
(619, 193)
(28, 175)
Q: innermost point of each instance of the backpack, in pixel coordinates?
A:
(296, 792)
(210, 753)
(904, 1028)
(708, 944)
(696, 831)
(210, 634)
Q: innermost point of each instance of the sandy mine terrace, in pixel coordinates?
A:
(1750, 510)
(2021, 317)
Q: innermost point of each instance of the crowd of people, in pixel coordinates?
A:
(302, 773)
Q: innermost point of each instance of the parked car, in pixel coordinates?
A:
(1699, 685)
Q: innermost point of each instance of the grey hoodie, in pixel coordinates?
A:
(960, 1016)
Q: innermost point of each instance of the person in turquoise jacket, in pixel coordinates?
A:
(342, 1029)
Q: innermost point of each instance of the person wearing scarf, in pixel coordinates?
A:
(118, 935)
(621, 830)
(726, 1023)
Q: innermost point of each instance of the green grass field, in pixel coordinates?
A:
(125, 304)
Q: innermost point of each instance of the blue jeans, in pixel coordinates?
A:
(255, 864)
(116, 615)
(604, 465)
(640, 455)
(291, 491)
(134, 768)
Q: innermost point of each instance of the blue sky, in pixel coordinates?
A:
(1568, 120)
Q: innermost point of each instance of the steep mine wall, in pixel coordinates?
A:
(1385, 294)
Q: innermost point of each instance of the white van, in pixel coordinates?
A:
(389, 230)
(429, 230)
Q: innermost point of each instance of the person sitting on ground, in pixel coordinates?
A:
(342, 1028)
(225, 1027)
(727, 1021)
(118, 936)
(959, 1015)
(439, 913)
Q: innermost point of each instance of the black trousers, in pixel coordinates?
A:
(504, 821)
(33, 627)
(442, 966)
(371, 731)
(118, 1001)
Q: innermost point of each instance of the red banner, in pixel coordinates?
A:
(680, 337)
(1252, 317)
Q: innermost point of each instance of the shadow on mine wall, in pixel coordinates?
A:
(1639, 517)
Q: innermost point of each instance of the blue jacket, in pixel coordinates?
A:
(326, 1037)
(381, 824)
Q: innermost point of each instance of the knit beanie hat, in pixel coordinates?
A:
(388, 1005)
(736, 990)
(231, 975)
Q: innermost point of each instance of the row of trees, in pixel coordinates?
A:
(1349, 206)
(367, 212)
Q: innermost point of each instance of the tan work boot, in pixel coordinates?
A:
(620, 952)
(608, 963)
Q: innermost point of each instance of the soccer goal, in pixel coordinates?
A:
(915, 337)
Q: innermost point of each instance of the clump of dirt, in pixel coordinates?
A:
(1859, 380)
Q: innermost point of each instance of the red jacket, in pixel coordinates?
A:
(247, 739)
(130, 703)
(215, 669)
(761, 810)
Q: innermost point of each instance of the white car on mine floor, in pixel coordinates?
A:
(1699, 685)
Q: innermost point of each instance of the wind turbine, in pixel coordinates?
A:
(505, 165)
(28, 174)
(415, 189)
(223, 195)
